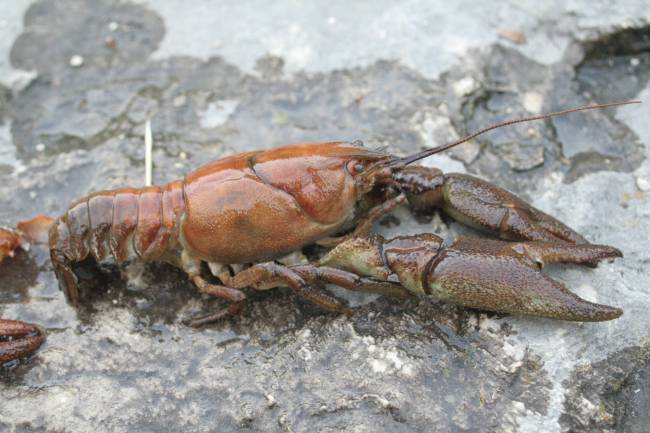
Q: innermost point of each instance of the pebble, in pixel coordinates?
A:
(464, 86)
(179, 101)
(76, 61)
(533, 102)
(109, 41)
(643, 183)
(513, 36)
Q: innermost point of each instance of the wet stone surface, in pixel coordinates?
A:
(610, 395)
(126, 362)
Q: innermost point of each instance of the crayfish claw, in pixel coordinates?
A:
(9, 241)
(497, 276)
(36, 230)
(19, 339)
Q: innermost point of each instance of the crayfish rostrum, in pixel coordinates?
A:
(241, 213)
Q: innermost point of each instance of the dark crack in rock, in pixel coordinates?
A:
(610, 395)
(614, 67)
(515, 86)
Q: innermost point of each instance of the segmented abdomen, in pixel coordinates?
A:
(126, 223)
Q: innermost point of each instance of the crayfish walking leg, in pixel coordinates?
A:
(304, 281)
(262, 276)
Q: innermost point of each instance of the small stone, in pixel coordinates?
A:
(513, 36)
(464, 86)
(179, 101)
(32, 194)
(636, 195)
(295, 258)
(467, 153)
(109, 41)
(280, 118)
(635, 61)
(521, 157)
(532, 102)
(40, 147)
(112, 26)
(643, 183)
(444, 163)
(218, 113)
(519, 406)
(182, 155)
(76, 61)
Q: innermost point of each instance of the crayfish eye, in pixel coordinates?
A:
(355, 167)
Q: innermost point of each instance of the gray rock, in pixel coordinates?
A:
(216, 79)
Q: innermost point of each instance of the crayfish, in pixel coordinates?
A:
(241, 213)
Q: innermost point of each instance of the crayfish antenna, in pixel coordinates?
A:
(401, 162)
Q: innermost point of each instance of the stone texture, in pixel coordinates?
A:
(219, 79)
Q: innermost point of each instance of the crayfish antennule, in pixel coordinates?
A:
(425, 153)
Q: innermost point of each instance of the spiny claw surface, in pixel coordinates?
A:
(19, 339)
(503, 277)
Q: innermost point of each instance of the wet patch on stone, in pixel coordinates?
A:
(19, 273)
(610, 395)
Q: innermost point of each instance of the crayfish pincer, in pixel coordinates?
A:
(241, 213)
(488, 274)
(19, 339)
